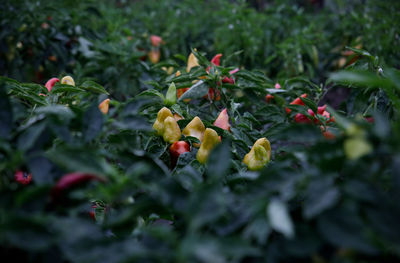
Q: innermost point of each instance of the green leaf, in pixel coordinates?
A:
(198, 90)
(93, 87)
(279, 218)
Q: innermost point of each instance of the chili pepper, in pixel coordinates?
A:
(104, 105)
(192, 62)
(216, 59)
(230, 80)
(68, 80)
(172, 132)
(211, 139)
(195, 128)
(297, 101)
(71, 180)
(301, 118)
(22, 177)
(177, 117)
(161, 116)
(326, 133)
(223, 120)
(176, 149)
(50, 83)
(154, 55)
(259, 155)
(270, 97)
(156, 41)
(170, 97)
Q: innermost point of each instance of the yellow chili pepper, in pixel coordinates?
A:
(68, 80)
(211, 139)
(172, 132)
(195, 128)
(192, 62)
(104, 105)
(259, 155)
(161, 116)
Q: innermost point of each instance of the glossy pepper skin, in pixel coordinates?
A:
(155, 40)
(71, 180)
(211, 139)
(50, 83)
(297, 101)
(172, 132)
(259, 155)
(68, 80)
(223, 120)
(192, 62)
(161, 116)
(104, 106)
(176, 149)
(270, 97)
(22, 177)
(195, 128)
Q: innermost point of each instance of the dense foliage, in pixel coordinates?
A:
(87, 175)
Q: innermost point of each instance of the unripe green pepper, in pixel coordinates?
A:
(170, 98)
(195, 128)
(259, 155)
(210, 140)
(161, 116)
(172, 132)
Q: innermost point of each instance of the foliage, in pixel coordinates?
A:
(321, 198)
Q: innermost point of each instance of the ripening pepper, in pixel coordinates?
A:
(68, 80)
(297, 101)
(270, 97)
(176, 149)
(230, 80)
(71, 180)
(156, 41)
(211, 139)
(172, 132)
(177, 117)
(223, 121)
(192, 62)
(104, 105)
(259, 155)
(50, 83)
(161, 116)
(195, 128)
(154, 55)
(22, 177)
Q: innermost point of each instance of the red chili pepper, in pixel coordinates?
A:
(270, 97)
(22, 177)
(50, 83)
(297, 101)
(176, 149)
(156, 40)
(216, 59)
(71, 180)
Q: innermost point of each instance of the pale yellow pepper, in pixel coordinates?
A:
(172, 132)
(161, 116)
(211, 139)
(195, 128)
(259, 155)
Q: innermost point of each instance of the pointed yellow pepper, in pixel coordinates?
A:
(161, 116)
(68, 80)
(195, 128)
(259, 155)
(211, 139)
(172, 132)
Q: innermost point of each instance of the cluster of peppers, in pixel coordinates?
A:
(166, 126)
(68, 80)
(25, 178)
(193, 62)
(301, 118)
